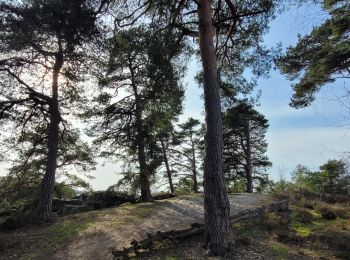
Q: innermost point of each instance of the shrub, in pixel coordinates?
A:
(287, 236)
(16, 221)
(328, 213)
(338, 240)
(308, 205)
(277, 221)
(303, 216)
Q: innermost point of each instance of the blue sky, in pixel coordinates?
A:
(307, 136)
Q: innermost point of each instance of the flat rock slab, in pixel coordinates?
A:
(98, 241)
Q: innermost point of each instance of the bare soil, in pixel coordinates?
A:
(94, 235)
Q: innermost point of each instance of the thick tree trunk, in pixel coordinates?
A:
(170, 177)
(145, 186)
(216, 205)
(249, 160)
(146, 195)
(48, 182)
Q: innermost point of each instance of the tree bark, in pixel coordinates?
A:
(249, 160)
(216, 205)
(166, 162)
(145, 186)
(48, 182)
(194, 167)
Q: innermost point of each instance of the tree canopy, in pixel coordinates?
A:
(320, 58)
(44, 47)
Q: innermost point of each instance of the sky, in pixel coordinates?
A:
(307, 136)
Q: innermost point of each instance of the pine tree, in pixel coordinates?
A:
(189, 138)
(150, 88)
(43, 52)
(236, 26)
(320, 58)
(245, 144)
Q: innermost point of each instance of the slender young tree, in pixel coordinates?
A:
(42, 52)
(169, 172)
(165, 135)
(189, 139)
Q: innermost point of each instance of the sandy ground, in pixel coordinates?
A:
(99, 241)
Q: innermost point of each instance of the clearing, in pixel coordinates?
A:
(95, 234)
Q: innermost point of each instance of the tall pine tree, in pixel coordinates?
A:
(43, 49)
(139, 88)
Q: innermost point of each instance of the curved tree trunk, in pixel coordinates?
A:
(48, 182)
(217, 209)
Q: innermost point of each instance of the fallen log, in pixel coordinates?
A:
(137, 247)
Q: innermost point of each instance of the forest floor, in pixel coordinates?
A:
(302, 233)
(95, 234)
(312, 229)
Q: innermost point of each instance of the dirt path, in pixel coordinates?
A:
(115, 229)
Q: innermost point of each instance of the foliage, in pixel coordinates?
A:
(189, 152)
(300, 176)
(321, 57)
(317, 231)
(36, 29)
(333, 173)
(23, 182)
(44, 56)
(245, 145)
(151, 97)
(333, 178)
(19, 192)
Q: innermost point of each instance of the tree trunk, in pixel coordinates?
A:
(146, 195)
(249, 160)
(194, 168)
(216, 205)
(170, 177)
(145, 186)
(48, 182)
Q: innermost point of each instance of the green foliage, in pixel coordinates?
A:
(300, 176)
(321, 57)
(44, 49)
(188, 152)
(22, 184)
(64, 191)
(333, 178)
(17, 192)
(131, 124)
(245, 144)
(184, 185)
(236, 185)
(333, 173)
